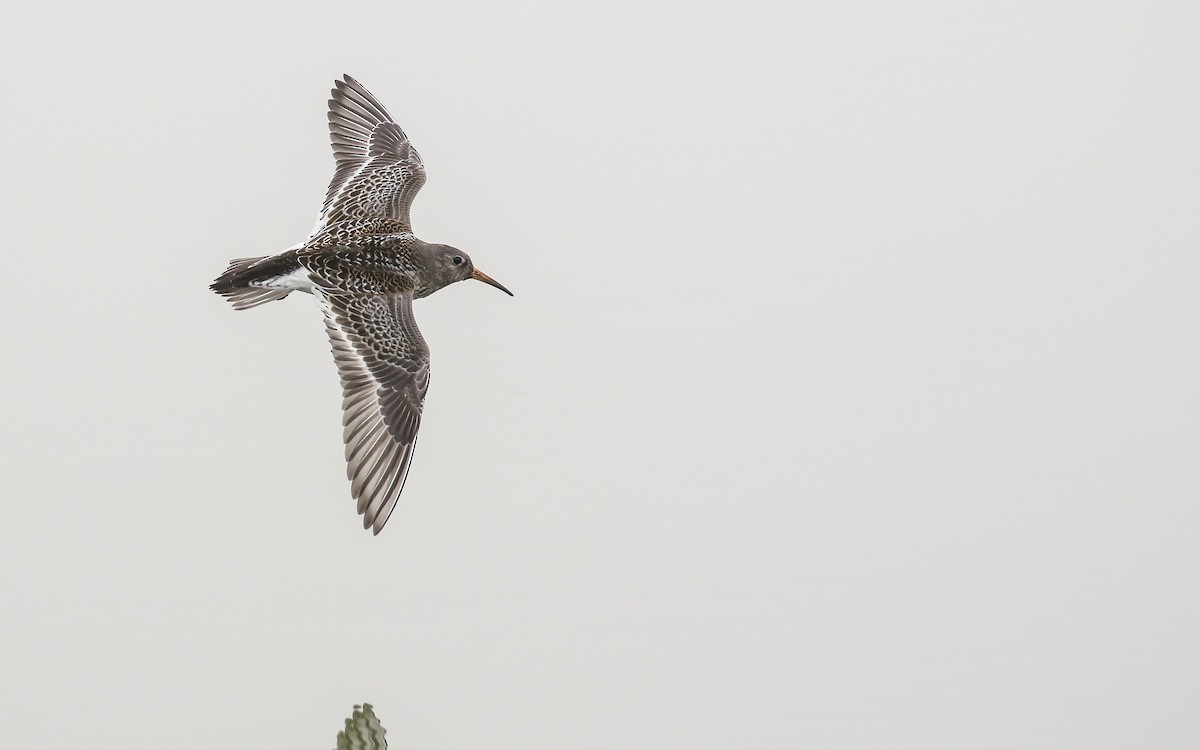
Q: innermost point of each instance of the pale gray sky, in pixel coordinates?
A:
(848, 398)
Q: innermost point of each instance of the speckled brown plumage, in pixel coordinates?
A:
(365, 267)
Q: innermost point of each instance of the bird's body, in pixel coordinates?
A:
(365, 266)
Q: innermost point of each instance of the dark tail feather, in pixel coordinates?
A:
(232, 287)
(244, 299)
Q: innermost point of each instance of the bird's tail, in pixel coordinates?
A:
(233, 286)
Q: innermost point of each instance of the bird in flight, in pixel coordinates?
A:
(364, 266)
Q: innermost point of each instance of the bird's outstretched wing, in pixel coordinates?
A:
(378, 171)
(384, 365)
(363, 731)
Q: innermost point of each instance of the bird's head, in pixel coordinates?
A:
(449, 264)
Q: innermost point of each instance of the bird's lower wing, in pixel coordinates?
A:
(384, 366)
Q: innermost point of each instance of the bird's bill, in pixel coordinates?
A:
(481, 276)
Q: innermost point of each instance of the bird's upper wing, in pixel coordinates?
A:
(363, 731)
(378, 171)
(384, 365)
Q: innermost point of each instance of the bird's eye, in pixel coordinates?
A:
(457, 260)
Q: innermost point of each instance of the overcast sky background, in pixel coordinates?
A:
(848, 398)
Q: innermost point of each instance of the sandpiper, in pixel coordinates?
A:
(364, 267)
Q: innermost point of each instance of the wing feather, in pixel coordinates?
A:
(378, 171)
(384, 367)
